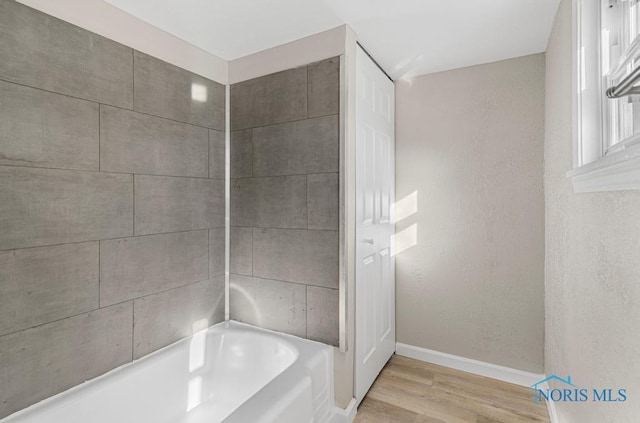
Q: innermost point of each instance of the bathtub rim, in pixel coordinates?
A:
(288, 339)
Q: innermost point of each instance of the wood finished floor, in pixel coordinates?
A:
(410, 391)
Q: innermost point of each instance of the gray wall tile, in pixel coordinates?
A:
(164, 318)
(43, 361)
(305, 146)
(324, 87)
(276, 98)
(59, 197)
(217, 158)
(165, 90)
(241, 251)
(323, 201)
(269, 202)
(309, 257)
(139, 266)
(171, 204)
(133, 142)
(216, 251)
(44, 52)
(323, 315)
(276, 148)
(44, 206)
(42, 129)
(241, 147)
(269, 304)
(40, 285)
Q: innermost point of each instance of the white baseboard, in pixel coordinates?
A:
(506, 374)
(346, 415)
(551, 408)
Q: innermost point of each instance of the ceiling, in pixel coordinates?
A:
(407, 37)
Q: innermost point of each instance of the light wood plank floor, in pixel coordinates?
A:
(410, 391)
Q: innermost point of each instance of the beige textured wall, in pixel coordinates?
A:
(470, 147)
(592, 271)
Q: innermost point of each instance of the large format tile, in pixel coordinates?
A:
(133, 142)
(139, 266)
(44, 284)
(170, 204)
(324, 87)
(241, 251)
(165, 90)
(279, 202)
(323, 201)
(217, 157)
(241, 153)
(276, 98)
(269, 304)
(164, 318)
(309, 257)
(323, 315)
(305, 146)
(41, 51)
(44, 206)
(216, 251)
(41, 362)
(42, 129)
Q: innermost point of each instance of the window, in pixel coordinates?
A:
(607, 100)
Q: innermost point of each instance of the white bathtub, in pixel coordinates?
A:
(230, 372)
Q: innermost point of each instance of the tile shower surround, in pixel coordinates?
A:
(111, 205)
(285, 159)
(101, 147)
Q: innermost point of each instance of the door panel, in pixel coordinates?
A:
(375, 181)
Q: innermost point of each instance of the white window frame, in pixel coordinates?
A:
(593, 169)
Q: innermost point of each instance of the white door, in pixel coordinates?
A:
(375, 181)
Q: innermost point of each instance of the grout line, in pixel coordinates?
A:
(306, 311)
(289, 282)
(61, 94)
(99, 274)
(133, 176)
(253, 149)
(99, 137)
(164, 118)
(133, 328)
(114, 105)
(285, 175)
(209, 253)
(209, 154)
(286, 229)
(306, 201)
(108, 172)
(307, 92)
(133, 79)
(162, 291)
(93, 310)
(284, 122)
(105, 239)
(204, 178)
(252, 250)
